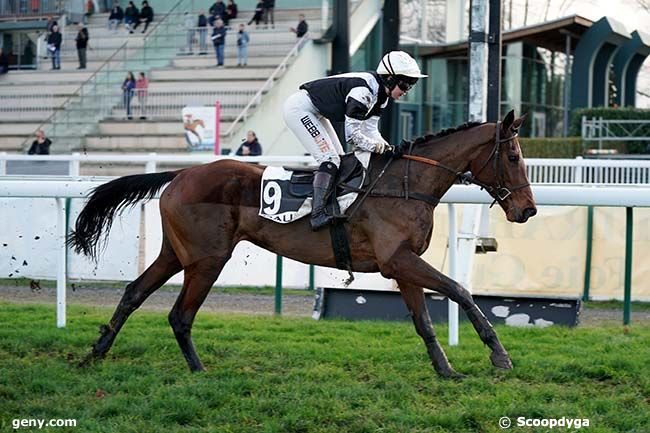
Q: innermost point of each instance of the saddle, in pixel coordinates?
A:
(350, 174)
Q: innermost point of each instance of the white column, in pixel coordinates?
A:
(453, 274)
(61, 264)
(478, 58)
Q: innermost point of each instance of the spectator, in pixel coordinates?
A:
(259, 11)
(131, 15)
(269, 6)
(82, 43)
(250, 147)
(141, 87)
(116, 17)
(218, 11)
(219, 40)
(203, 24)
(127, 91)
(231, 11)
(302, 28)
(51, 22)
(54, 46)
(189, 28)
(146, 16)
(40, 146)
(90, 9)
(242, 45)
(4, 62)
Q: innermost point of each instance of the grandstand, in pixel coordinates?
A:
(83, 110)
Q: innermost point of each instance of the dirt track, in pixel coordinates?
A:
(219, 302)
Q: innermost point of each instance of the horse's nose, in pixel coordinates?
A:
(528, 213)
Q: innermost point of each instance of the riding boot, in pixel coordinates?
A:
(323, 185)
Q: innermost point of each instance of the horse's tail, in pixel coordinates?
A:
(106, 201)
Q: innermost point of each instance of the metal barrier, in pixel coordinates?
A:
(628, 197)
(18, 8)
(586, 171)
(540, 170)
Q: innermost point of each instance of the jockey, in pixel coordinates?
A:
(355, 98)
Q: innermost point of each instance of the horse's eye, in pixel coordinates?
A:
(513, 158)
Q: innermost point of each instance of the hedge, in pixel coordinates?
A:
(555, 147)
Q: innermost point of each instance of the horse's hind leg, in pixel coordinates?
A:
(407, 266)
(414, 298)
(163, 268)
(199, 278)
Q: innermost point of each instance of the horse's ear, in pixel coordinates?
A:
(507, 121)
(519, 121)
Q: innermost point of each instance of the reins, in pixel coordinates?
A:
(498, 191)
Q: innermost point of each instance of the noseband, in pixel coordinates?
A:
(499, 191)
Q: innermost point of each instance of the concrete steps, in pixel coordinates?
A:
(205, 74)
(146, 128)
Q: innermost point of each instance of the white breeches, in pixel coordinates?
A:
(313, 130)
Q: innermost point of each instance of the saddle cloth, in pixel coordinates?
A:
(286, 192)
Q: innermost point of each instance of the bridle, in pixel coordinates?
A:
(499, 191)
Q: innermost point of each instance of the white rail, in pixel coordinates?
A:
(60, 189)
(540, 171)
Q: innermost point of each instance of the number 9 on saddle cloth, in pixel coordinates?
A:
(286, 192)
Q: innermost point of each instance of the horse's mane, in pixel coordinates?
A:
(446, 132)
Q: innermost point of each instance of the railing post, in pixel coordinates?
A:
(74, 164)
(577, 173)
(3, 163)
(627, 300)
(312, 278)
(151, 164)
(61, 263)
(278, 285)
(600, 133)
(453, 273)
(588, 253)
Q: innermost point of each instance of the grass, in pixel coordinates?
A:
(286, 375)
(77, 284)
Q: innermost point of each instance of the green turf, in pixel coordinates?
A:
(271, 374)
(75, 284)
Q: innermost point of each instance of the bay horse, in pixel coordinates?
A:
(206, 210)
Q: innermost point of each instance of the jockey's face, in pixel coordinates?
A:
(397, 93)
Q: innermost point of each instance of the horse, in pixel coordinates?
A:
(190, 127)
(207, 210)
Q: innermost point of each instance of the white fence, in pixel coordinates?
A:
(540, 171)
(60, 189)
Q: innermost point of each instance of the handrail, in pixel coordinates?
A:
(267, 83)
(74, 94)
(77, 92)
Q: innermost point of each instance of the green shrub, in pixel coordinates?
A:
(555, 147)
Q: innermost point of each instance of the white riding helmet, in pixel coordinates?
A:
(399, 63)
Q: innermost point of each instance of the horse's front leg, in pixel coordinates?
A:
(414, 299)
(406, 266)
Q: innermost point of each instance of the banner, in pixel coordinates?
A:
(546, 256)
(201, 127)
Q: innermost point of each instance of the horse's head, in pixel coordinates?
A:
(500, 168)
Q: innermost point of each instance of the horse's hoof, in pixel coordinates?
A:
(450, 373)
(501, 360)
